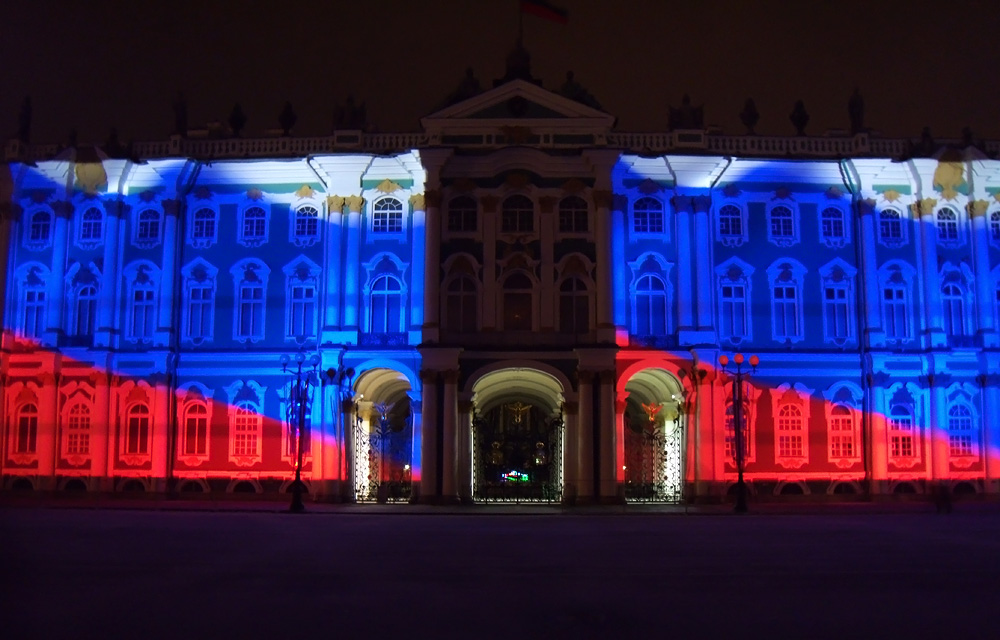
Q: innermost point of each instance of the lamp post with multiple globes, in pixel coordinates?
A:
(739, 446)
(299, 398)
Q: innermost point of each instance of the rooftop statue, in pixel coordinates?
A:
(856, 111)
(749, 116)
(467, 88)
(686, 116)
(575, 91)
(351, 116)
(799, 118)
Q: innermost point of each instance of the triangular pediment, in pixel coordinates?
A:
(517, 103)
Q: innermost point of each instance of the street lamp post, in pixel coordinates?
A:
(299, 398)
(739, 446)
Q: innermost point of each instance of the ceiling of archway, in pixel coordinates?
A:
(381, 385)
(527, 385)
(653, 386)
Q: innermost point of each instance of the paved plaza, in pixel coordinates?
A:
(502, 573)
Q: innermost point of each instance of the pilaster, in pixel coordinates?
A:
(924, 212)
(429, 436)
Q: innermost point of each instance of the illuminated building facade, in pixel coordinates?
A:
(517, 303)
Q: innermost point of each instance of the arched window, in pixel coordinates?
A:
(40, 228)
(790, 432)
(651, 317)
(901, 440)
(995, 226)
(782, 228)
(786, 278)
(136, 431)
(833, 229)
(961, 434)
(26, 432)
(462, 215)
(306, 225)
(574, 307)
(200, 310)
(572, 215)
(387, 216)
(518, 305)
(254, 226)
(647, 216)
(77, 441)
(92, 227)
(250, 280)
(947, 226)
(246, 430)
(890, 228)
(731, 224)
(842, 440)
(85, 311)
(734, 310)
(462, 304)
(194, 437)
(895, 281)
(204, 228)
(147, 231)
(33, 305)
(953, 303)
(517, 215)
(386, 305)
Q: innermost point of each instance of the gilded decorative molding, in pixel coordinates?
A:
(547, 204)
(782, 193)
(354, 203)
(866, 207)
(603, 198)
(254, 194)
(90, 176)
(147, 196)
(335, 204)
(949, 176)
(172, 208)
(977, 208)
(573, 186)
(305, 191)
(927, 206)
(428, 376)
(891, 195)
(417, 201)
(387, 186)
(489, 203)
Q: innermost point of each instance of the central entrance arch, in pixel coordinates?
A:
(518, 436)
(654, 437)
(383, 437)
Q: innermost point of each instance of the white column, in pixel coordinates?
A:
(990, 407)
(571, 474)
(924, 212)
(704, 286)
(985, 291)
(872, 329)
(112, 419)
(418, 278)
(327, 439)
(432, 276)
(99, 434)
(428, 430)
(585, 437)
(464, 450)
(347, 470)
(685, 295)
(937, 429)
(48, 430)
(332, 256)
(110, 276)
(161, 430)
(449, 411)
(352, 265)
(55, 302)
(608, 425)
(167, 333)
(878, 436)
(416, 453)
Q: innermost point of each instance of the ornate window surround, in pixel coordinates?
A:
(797, 396)
(732, 239)
(892, 217)
(190, 274)
(94, 238)
(796, 271)
(906, 396)
(297, 212)
(189, 396)
(833, 241)
(658, 232)
(44, 241)
(736, 272)
(962, 276)
(568, 205)
(386, 264)
(795, 232)
(150, 274)
(957, 225)
(462, 200)
(301, 272)
(655, 265)
(887, 276)
(138, 212)
(239, 273)
(204, 240)
(380, 207)
(849, 396)
(76, 394)
(263, 203)
(963, 394)
(246, 394)
(828, 275)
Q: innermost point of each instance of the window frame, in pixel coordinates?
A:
(42, 242)
(515, 210)
(649, 215)
(731, 239)
(793, 234)
(311, 222)
(199, 239)
(950, 230)
(261, 222)
(572, 210)
(90, 232)
(962, 442)
(153, 234)
(890, 218)
(460, 212)
(245, 415)
(256, 306)
(388, 220)
(834, 241)
(790, 406)
(734, 273)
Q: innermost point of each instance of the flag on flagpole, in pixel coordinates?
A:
(542, 9)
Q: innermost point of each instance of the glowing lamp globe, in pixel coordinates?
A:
(754, 361)
(723, 360)
(738, 358)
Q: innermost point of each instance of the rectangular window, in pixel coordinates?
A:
(142, 314)
(34, 313)
(648, 221)
(303, 311)
(833, 227)
(199, 315)
(251, 311)
(841, 437)
(462, 220)
(734, 311)
(137, 434)
(195, 434)
(790, 446)
(387, 222)
(836, 312)
(895, 312)
(517, 221)
(786, 312)
(27, 433)
(901, 437)
(572, 221)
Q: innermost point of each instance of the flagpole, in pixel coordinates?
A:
(520, 24)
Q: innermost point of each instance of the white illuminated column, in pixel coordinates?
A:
(685, 296)
(924, 212)
(703, 263)
(585, 431)
(109, 278)
(56, 285)
(352, 299)
(171, 210)
(869, 272)
(428, 459)
(981, 261)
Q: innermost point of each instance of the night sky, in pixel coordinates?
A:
(101, 63)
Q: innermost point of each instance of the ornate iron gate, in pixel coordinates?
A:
(382, 457)
(517, 455)
(653, 459)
